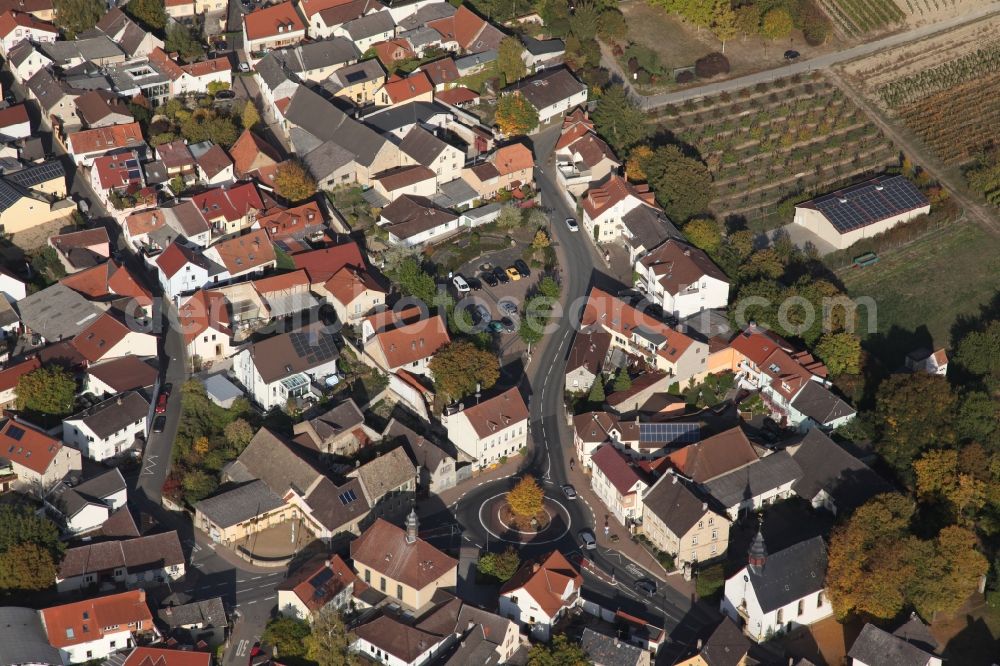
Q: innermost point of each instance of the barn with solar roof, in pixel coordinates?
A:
(844, 217)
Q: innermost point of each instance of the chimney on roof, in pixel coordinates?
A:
(698, 646)
(673, 478)
(704, 506)
(535, 567)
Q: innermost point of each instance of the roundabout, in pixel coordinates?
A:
(553, 523)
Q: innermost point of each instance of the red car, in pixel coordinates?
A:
(161, 403)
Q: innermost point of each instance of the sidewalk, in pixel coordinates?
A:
(452, 495)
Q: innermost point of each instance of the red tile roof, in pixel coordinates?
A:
(600, 198)
(165, 63)
(620, 317)
(391, 50)
(108, 279)
(205, 309)
(14, 115)
(10, 375)
(116, 172)
(497, 413)
(616, 468)
(175, 154)
(252, 152)
(30, 448)
(89, 620)
(399, 89)
(513, 158)
(230, 203)
(12, 20)
(463, 27)
(412, 342)
(246, 253)
(207, 67)
(314, 587)
(173, 258)
(322, 264)
(383, 547)
(457, 96)
(548, 583)
(715, 456)
(575, 125)
(310, 7)
(105, 139)
(97, 339)
(214, 161)
(264, 23)
(150, 656)
(295, 221)
(348, 283)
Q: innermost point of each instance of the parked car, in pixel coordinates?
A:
(489, 278)
(495, 326)
(645, 586)
(522, 268)
(474, 283)
(161, 403)
(571, 223)
(569, 491)
(791, 54)
(159, 423)
(461, 286)
(508, 325)
(501, 275)
(225, 94)
(508, 307)
(167, 388)
(244, 67)
(479, 313)
(588, 539)
(513, 273)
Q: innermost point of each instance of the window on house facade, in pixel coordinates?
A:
(399, 591)
(781, 616)
(802, 606)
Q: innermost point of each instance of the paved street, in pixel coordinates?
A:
(649, 102)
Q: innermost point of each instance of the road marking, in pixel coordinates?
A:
(252, 602)
(273, 596)
(242, 648)
(256, 577)
(632, 569)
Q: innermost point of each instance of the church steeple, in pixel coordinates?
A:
(757, 556)
(412, 526)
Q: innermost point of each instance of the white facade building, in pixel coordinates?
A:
(108, 428)
(491, 430)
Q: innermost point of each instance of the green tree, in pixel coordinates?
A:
(49, 391)
(27, 566)
(515, 115)
(559, 652)
(19, 524)
(724, 22)
(414, 281)
(181, 40)
(748, 19)
(46, 262)
(683, 185)
(612, 26)
(287, 635)
(501, 566)
(585, 21)
(596, 395)
(238, 433)
(979, 353)
(151, 14)
(509, 61)
(777, 24)
(293, 182)
(618, 120)
(704, 234)
(622, 381)
(949, 572)
(526, 499)
(459, 366)
(529, 331)
(978, 419)
(198, 485)
(76, 16)
(329, 641)
(939, 480)
(841, 352)
(913, 413)
(509, 217)
(540, 241)
(249, 117)
(549, 288)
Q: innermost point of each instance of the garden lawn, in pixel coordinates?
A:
(930, 282)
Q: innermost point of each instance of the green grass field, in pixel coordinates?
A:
(930, 283)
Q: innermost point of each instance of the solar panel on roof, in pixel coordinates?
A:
(355, 76)
(133, 175)
(320, 579)
(348, 497)
(869, 203)
(669, 433)
(15, 433)
(131, 164)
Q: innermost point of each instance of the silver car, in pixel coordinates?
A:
(588, 539)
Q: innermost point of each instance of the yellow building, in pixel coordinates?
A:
(679, 522)
(357, 82)
(401, 565)
(35, 196)
(233, 516)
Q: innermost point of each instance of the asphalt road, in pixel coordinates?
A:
(615, 575)
(820, 62)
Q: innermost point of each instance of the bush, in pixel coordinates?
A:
(687, 76)
(711, 65)
(709, 581)
(643, 77)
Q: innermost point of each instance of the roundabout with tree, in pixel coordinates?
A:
(524, 507)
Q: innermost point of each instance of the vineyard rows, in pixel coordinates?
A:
(856, 17)
(959, 122)
(786, 142)
(922, 7)
(909, 89)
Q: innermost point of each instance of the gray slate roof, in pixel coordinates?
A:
(91, 48)
(209, 613)
(726, 646)
(23, 639)
(821, 404)
(538, 47)
(108, 417)
(430, 12)
(649, 227)
(366, 70)
(271, 70)
(609, 651)
(469, 62)
(880, 648)
(554, 85)
(790, 574)
(370, 25)
(57, 312)
(404, 115)
(673, 502)
(318, 116)
(270, 459)
(423, 452)
(239, 504)
(318, 55)
(754, 479)
(827, 466)
(422, 146)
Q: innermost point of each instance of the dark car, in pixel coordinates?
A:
(479, 314)
(474, 283)
(489, 278)
(161, 403)
(225, 94)
(501, 275)
(167, 388)
(791, 54)
(522, 268)
(508, 325)
(645, 586)
(159, 423)
(495, 326)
